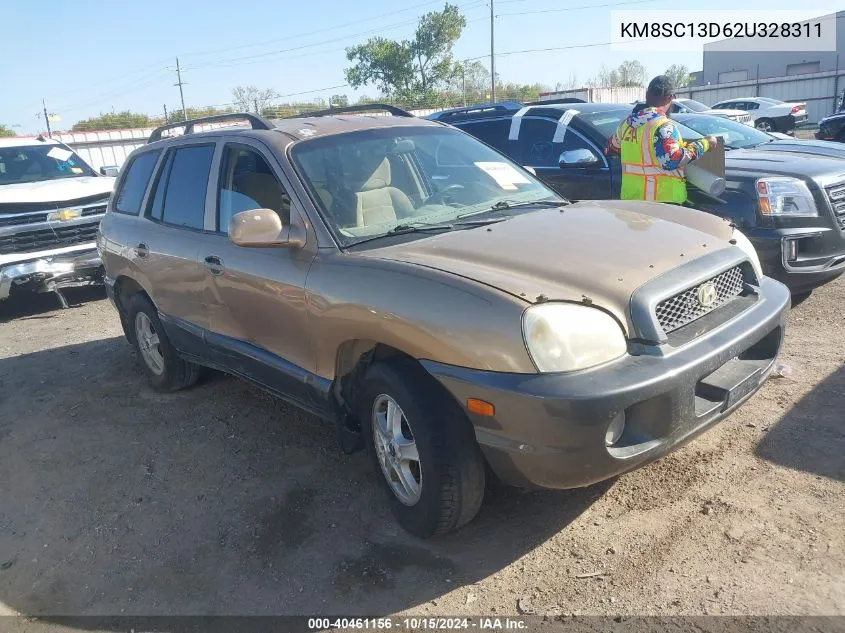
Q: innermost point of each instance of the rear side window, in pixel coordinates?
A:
(537, 147)
(180, 192)
(128, 198)
(494, 133)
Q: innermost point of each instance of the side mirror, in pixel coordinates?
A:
(263, 228)
(578, 158)
(110, 170)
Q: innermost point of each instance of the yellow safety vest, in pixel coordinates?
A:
(642, 176)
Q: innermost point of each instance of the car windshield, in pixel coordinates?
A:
(736, 135)
(606, 122)
(692, 104)
(33, 163)
(376, 182)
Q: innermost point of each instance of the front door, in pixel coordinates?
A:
(540, 148)
(256, 296)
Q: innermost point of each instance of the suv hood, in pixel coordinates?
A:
(755, 163)
(603, 250)
(804, 146)
(57, 190)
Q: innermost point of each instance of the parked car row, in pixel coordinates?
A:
(788, 196)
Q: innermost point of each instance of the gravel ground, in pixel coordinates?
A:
(115, 499)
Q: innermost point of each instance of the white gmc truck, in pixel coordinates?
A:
(51, 203)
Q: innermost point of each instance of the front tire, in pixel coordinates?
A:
(165, 370)
(423, 448)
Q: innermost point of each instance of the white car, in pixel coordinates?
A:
(691, 106)
(770, 115)
(51, 203)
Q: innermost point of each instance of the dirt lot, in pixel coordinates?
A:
(115, 499)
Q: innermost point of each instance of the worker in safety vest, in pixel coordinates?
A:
(652, 151)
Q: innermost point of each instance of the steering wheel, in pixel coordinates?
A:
(442, 194)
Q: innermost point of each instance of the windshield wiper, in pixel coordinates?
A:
(422, 227)
(505, 205)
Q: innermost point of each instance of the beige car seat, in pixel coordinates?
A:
(265, 190)
(377, 201)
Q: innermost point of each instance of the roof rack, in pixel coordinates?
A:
(365, 107)
(554, 101)
(501, 106)
(256, 121)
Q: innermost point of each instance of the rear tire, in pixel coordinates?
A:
(765, 125)
(444, 487)
(165, 370)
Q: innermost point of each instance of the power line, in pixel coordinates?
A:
(317, 32)
(229, 61)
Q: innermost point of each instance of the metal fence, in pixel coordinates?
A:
(820, 91)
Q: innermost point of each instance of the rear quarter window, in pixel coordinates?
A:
(131, 189)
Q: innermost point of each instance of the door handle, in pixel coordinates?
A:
(141, 250)
(214, 265)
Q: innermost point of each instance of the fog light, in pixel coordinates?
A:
(791, 249)
(615, 430)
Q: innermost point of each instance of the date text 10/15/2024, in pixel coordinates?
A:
(418, 624)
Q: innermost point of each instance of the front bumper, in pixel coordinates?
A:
(820, 255)
(49, 271)
(548, 430)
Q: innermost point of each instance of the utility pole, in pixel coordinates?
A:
(166, 119)
(181, 94)
(257, 111)
(464, 81)
(47, 119)
(492, 51)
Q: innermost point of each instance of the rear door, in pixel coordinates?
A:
(168, 251)
(542, 146)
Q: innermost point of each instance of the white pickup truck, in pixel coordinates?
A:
(51, 203)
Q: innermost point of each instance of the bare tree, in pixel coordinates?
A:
(252, 99)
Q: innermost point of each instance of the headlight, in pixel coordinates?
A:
(748, 248)
(785, 197)
(567, 337)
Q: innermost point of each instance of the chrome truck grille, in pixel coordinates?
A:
(27, 227)
(693, 303)
(836, 195)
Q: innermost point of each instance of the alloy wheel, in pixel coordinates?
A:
(396, 450)
(149, 343)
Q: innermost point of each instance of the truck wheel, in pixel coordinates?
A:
(423, 447)
(766, 125)
(164, 369)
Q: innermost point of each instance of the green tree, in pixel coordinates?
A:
(630, 73)
(6, 131)
(411, 70)
(679, 74)
(339, 101)
(114, 121)
(251, 99)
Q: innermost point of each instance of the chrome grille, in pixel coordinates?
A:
(836, 195)
(42, 239)
(685, 307)
(31, 217)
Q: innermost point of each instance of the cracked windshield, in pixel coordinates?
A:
(369, 184)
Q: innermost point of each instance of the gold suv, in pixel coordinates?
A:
(437, 302)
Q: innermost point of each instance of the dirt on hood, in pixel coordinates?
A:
(603, 250)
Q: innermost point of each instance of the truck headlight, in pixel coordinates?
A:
(785, 197)
(567, 337)
(748, 248)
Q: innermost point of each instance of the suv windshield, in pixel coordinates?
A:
(606, 122)
(33, 163)
(368, 183)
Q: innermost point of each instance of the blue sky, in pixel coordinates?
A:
(90, 57)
